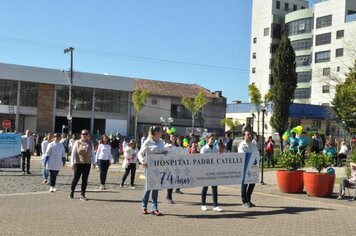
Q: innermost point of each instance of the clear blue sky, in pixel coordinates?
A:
(206, 42)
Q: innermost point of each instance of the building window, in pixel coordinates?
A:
(253, 70)
(322, 39)
(254, 55)
(8, 92)
(325, 104)
(154, 102)
(81, 100)
(302, 44)
(301, 26)
(304, 77)
(179, 111)
(326, 89)
(29, 94)
(338, 69)
(316, 124)
(302, 93)
(286, 6)
(339, 52)
(326, 71)
(303, 60)
(302, 7)
(323, 21)
(323, 56)
(112, 101)
(266, 31)
(339, 34)
(249, 121)
(295, 7)
(276, 31)
(278, 5)
(254, 40)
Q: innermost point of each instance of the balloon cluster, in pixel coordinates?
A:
(171, 130)
(185, 142)
(297, 130)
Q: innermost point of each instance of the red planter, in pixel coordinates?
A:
(290, 181)
(319, 185)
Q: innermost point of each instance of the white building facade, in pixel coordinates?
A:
(323, 38)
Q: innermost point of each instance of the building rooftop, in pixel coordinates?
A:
(172, 89)
(61, 77)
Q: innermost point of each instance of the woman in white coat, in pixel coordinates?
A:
(55, 159)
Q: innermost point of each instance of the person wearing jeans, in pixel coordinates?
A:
(210, 148)
(44, 146)
(152, 145)
(130, 162)
(104, 158)
(55, 159)
(81, 159)
(247, 146)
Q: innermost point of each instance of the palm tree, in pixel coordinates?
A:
(139, 99)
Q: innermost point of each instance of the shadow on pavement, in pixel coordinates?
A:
(114, 200)
(253, 214)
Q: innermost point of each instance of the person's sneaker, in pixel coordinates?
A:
(156, 213)
(102, 187)
(132, 187)
(178, 191)
(204, 208)
(246, 205)
(169, 201)
(54, 189)
(23, 172)
(83, 198)
(144, 211)
(28, 172)
(121, 185)
(71, 195)
(339, 197)
(45, 181)
(252, 205)
(218, 209)
(51, 190)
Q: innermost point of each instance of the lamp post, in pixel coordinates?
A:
(263, 109)
(69, 116)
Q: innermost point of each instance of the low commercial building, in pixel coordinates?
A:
(37, 99)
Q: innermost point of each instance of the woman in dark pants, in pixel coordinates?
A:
(82, 158)
(104, 158)
(130, 162)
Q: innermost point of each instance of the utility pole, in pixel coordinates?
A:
(69, 116)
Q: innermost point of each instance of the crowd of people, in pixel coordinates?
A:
(84, 155)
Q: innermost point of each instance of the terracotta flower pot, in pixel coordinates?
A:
(319, 185)
(290, 181)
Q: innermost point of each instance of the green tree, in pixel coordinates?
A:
(344, 102)
(195, 105)
(230, 123)
(256, 99)
(284, 85)
(139, 99)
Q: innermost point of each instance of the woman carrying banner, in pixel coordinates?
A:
(152, 145)
(247, 146)
(210, 148)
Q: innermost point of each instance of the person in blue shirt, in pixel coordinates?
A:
(293, 143)
(302, 145)
(330, 149)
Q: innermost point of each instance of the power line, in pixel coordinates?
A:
(124, 56)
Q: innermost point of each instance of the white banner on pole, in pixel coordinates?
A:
(194, 170)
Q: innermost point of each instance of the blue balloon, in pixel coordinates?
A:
(330, 171)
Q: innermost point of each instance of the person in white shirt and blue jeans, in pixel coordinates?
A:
(152, 145)
(104, 158)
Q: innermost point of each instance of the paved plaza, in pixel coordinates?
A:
(27, 208)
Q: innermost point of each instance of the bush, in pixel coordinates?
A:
(319, 161)
(289, 161)
(353, 156)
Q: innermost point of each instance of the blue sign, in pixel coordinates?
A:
(10, 150)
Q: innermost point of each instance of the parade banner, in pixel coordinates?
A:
(195, 170)
(10, 150)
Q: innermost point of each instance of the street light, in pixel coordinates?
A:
(263, 109)
(166, 122)
(69, 116)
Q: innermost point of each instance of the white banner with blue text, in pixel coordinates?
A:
(196, 170)
(10, 150)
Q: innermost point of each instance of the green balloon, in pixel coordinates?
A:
(173, 130)
(185, 140)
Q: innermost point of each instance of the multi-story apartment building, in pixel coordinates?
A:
(323, 38)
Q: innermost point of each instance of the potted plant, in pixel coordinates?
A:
(319, 184)
(291, 179)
